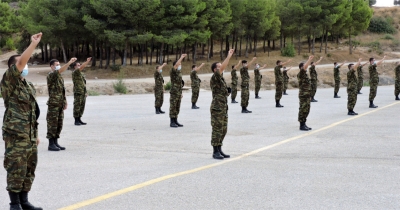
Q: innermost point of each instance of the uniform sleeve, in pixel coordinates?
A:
(13, 71)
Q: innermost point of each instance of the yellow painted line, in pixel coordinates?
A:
(163, 178)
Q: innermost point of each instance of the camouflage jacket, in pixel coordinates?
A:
(360, 72)
(336, 73)
(79, 82)
(352, 80)
(285, 76)
(373, 73)
(195, 79)
(219, 92)
(55, 86)
(19, 100)
(397, 72)
(313, 73)
(176, 81)
(278, 74)
(159, 80)
(234, 77)
(257, 75)
(244, 73)
(304, 84)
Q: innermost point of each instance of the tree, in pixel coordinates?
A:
(372, 2)
(6, 20)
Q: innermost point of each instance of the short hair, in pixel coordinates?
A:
(233, 66)
(157, 67)
(73, 64)
(335, 63)
(244, 61)
(12, 60)
(174, 62)
(277, 62)
(301, 65)
(213, 66)
(193, 66)
(371, 59)
(52, 61)
(312, 62)
(350, 65)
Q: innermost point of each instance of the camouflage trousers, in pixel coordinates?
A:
(219, 124)
(257, 86)
(195, 93)
(351, 98)
(175, 105)
(159, 95)
(360, 84)
(245, 94)
(55, 118)
(79, 104)
(234, 91)
(279, 90)
(373, 88)
(304, 108)
(285, 85)
(337, 86)
(314, 85)
(20, 160)
(397, 87)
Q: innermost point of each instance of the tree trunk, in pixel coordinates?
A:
(208, 50)
(152, 50)
(160, 60)
(313, 42)
(194, 53)
(222, 42)
(63, 51)
(350, 44)
(167, 52)
(264, 44)
(322, 40)
(164, 53)
(46, 54)
(299, 41)
(94, 53)
(108, 56)
(212, 48)
(240, 46)
(273, 44)
(101, 54)
(147, 54)
(226, 45)
(114, 55)
(326, 41)
(247, 46)
(87, 49)
(157, 55)
(125, 53)
(281, 41)
(255, 46)
(51, 52)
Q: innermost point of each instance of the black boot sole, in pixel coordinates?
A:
(218, 157)
(55, 150)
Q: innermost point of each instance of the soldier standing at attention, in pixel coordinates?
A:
(195, 85)
(219, 107)
(360, 75)
(336, 75)
(258, 78)
(80, 92)
(279, 81)
(20, 128)
(176, 92)
(397, 81)
(352, 84)
(314, 79)
(159, 89)
(285, 79)
(304, 94)
(57, 103)
(244, 74)
(234, 82)
(373, 80)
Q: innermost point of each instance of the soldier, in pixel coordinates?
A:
(244, 74)
(397, 81)
(20, 128)
(314, 79)
(336, 75)
(360, 75)
(159, 89)
(352, 88)
(285, 79)
(176, 92)
(279, 81)
(219, 107)
(234, 82)
(258, 78)
(80, 92)
(57, 103)
(195, 85)
(304, 94)
(373, 80)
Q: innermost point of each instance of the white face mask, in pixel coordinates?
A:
(258, 66)
(374, 62)
(160, 70)
(179, 68)
(57, 68)
(25, 71)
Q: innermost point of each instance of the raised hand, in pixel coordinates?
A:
(36, 38)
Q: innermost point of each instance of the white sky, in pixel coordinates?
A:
(384, 3)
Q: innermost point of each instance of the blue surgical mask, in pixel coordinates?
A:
(57, 68)
(179, 68)
(374, 62)
(25, 71)
(160, 70)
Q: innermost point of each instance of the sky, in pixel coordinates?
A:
(384, 3)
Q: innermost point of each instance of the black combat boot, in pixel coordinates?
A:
(307, 126)
(397, 98)
(303, 126)
(313, 99)
(157, 110)
(57, 145)
(52, 146)
(284, 93)
(258, 97)
(336, 96)
(351, 112)
(177, 123)
(244, 110)
(25, 204)
(359, 92)
(15, 202)
(173, 124)
(194, 106)
(82, 123)
(372, 105)
(278, 104)
(216, 153)
(161, 111)
(222, 153)
(234, 102)
(77, 122)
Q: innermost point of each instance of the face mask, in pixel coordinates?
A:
(25, 71)
(337, 66)
(258, 66)
(160, 70)
(179, 68)
(57, 68)
(245, 65)
(374, 62)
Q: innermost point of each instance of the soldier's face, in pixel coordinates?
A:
(77, 66)
(55, 64)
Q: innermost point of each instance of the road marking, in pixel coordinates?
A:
(163, 178)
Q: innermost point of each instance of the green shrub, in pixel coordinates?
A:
(305, 56)
(120, 86)
(10, 44)
(374, 45)
(388, 37)
(93, 93)
(354, 43)
(395, 43)
(328, 55)
(167, 86)
(381, 25)
(115, 67)
(288, 51)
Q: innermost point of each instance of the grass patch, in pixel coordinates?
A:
(167, 86)
(366, 83)
(388, 37)
(93, 93)
(120, 86)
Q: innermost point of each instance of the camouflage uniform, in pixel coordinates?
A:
(336, 75)
(360, 75)
(373, 81)
(397, 81)
(195, 86)
(285, 80)
(244, 73)
(314, 80)
(175, 93)
(352, 83)
(79, 93)
(257, 80)
(158, 89)
(20, 130)
(278, 82)
(218, 109)
(304, 95)
(234, 84)
(56, 104)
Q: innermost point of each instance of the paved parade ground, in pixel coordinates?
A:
(127, 157)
